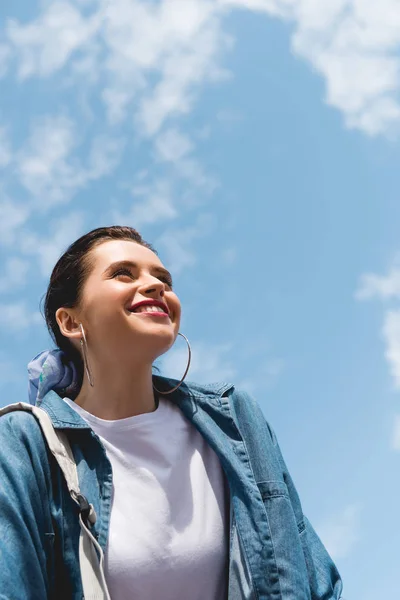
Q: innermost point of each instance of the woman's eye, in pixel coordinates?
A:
(167, 281)
(125, 272)
(128, 273)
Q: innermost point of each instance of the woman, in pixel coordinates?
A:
(192, 497)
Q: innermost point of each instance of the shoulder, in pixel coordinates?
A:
(21, 428)
(25, 468)
(238, 397)
(244, 405)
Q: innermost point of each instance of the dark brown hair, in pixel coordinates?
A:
(69, 276)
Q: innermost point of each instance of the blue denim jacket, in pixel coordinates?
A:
(274, 552)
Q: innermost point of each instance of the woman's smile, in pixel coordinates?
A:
(152, 308)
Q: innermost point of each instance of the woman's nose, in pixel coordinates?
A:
(155, 288)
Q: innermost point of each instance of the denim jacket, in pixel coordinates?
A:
(274, 553)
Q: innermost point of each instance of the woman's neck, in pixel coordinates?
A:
(118, 393)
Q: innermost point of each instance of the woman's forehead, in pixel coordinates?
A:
(114, 251)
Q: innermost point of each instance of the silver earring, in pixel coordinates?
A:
(185, 373)
(84, 347)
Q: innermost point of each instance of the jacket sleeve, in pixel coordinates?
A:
(324, 579)
(26, 533)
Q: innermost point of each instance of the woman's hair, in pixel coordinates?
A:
(69, 276)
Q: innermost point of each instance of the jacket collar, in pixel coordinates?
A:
(186, 396)
(62, 415)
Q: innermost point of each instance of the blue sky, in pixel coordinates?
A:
(255, 143)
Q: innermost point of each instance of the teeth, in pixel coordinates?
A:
(148, 308)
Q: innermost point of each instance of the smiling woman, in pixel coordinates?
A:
(180, 489)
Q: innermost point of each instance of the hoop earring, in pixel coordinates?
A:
(185, 373)
(84, 347)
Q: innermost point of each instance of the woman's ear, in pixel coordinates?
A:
(68, 323)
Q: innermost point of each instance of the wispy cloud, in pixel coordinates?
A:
(176, 244)
(14, 274)
(386, 287)
(104, 156)
(45, 45)
(354, 46)
(17, 316)
(383, 287)
(153, 201)
(148, 63)
(174, 43)
(44, 164)
(48, 168)
(154, 60)
(341, 532)
(172, 145)
(157, 56)
(47, 249)
(12, 217)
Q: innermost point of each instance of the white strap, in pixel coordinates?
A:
(91, 556)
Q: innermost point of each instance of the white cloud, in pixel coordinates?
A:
(153, 54)
(340, 533)
(12, 217)
(148, 61)
(46, 44)
(17, 316)
(396, 433)
(49, 248)
(185, 186)
(156, 56)
(386, 287)
(210, 363)
(171, 145)
(195, 42)
(14, 274)
(51, 172)
(355, 45)
(191, 170)
(383, 287)
(105, 154)
(43, 163)
(153, 202)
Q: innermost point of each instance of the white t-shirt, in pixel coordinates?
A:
(168, 536)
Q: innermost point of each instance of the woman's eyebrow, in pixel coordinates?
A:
(120, 263)
(133, 265)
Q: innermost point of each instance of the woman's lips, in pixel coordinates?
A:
(152, 314)
(151, 306)
(148, 309)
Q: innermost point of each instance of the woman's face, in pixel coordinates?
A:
(127, 307)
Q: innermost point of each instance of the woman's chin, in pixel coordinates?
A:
(159, 337)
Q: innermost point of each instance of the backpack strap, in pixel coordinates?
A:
(91, 557)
